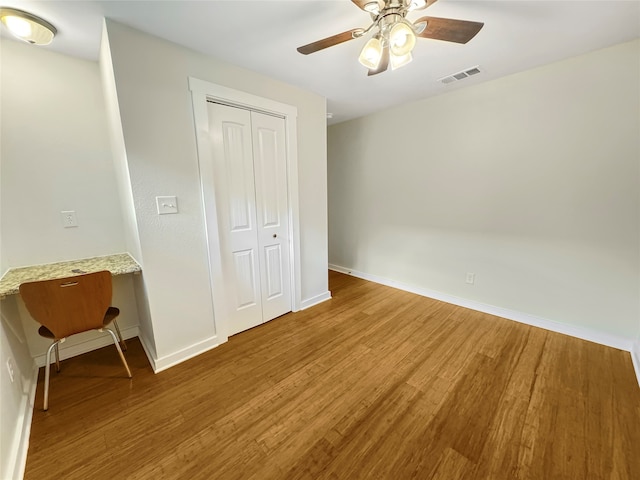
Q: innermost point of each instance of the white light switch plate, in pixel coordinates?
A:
(167, 205)
(68, 218)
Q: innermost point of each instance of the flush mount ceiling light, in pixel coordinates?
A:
(395, 35)
(27, 27)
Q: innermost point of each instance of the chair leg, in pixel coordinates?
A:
(57, 358)
(122, 342)
(47, 369)
(115, 341)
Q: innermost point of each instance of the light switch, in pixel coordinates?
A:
(167, 205)
(68, 218)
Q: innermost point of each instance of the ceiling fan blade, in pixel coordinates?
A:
(328, 42)
(449, 30)
(383, 65)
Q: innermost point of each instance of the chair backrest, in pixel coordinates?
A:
(69, 305)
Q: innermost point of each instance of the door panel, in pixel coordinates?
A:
(274, 274)
(230, 130)
(246, 288)
(239, 177)
(272, 210)
(267, 159)
(250, 170)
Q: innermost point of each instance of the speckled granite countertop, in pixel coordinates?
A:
(118, 264)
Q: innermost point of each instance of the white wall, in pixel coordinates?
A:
(530, 181)
(15, 397)
(635, 351)
(157, 122)
(55, 156)
(125, 193)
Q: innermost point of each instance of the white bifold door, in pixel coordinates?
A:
(250, 168)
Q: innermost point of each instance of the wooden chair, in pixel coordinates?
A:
(66, 306)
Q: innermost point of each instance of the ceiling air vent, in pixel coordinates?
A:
(460, 75)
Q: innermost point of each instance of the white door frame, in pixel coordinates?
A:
(201, 91)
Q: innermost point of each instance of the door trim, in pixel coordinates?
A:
(201, 92)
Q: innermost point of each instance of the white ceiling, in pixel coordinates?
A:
(262, 35)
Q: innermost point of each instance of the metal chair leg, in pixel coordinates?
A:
(122, 343)
(57, 358)
(115, 341)
(47, 369)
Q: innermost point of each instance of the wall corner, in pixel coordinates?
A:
(635, 358)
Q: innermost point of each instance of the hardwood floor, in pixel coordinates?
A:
(376, 383)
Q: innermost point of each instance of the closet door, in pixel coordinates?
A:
(272, 207)
(249, 160)
(230, 130)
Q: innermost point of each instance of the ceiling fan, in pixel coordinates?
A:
(394, 36)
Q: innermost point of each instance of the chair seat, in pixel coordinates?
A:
(112, 313)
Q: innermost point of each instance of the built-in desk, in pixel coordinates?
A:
(118, 264)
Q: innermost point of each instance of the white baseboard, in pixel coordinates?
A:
(148, 351)
(21, 446)
(583, 333)
(339, 269)
(635, 358)
(75, 349)
(310, 302)
(168, 361)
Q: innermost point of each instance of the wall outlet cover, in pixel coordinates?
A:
(11, 369)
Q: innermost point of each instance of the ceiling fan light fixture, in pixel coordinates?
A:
(395, 36)
(419, 27)
(401, 39)
(27, 27)
(372, 7)
(398, 61)
(371, 53)
(417, 4)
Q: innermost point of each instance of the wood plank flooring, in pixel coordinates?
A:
(376, 383)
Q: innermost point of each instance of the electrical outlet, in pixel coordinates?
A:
(10, 369)
(471, 277)
(68, 218)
